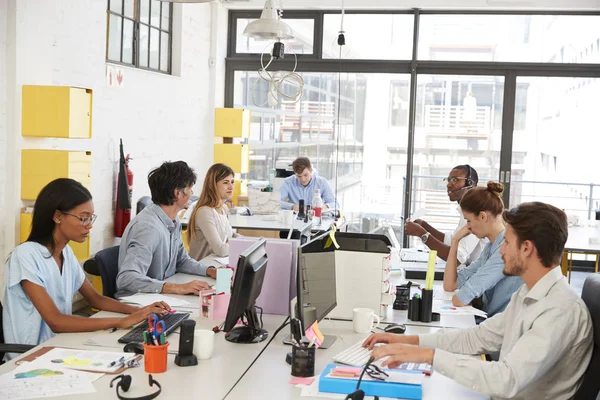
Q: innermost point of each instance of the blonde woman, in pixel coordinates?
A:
(209, 230)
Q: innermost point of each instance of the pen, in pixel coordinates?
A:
(120, 360)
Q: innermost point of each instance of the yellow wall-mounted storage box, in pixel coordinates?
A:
(40, 167)
(81, 250)
(57, 111)
(232, 122)
(236, 156)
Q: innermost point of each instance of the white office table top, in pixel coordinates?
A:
(269, 376)
(579, 240)
(210, 379)
(270, 223)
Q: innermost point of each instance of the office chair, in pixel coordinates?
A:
(590, 386)
(106, 265)
(142, 203)
(10, 347)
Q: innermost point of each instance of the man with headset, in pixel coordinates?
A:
(459, 181)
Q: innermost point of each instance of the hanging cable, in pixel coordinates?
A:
(341, 42)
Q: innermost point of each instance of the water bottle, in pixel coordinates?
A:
(317, 206)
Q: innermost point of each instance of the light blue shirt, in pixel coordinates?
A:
(30, 261)
(484, 278)
(151, 251)
(292, 191)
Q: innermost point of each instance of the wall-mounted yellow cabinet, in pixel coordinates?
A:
(40, 167)
(57, 111)
(81, 250)
(236, 156)
(232, 122)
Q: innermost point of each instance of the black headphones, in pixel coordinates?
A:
(125, 383)
(470, 182)
(359, 394)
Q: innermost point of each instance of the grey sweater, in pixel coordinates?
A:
(151, 251)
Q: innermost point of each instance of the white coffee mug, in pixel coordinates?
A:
(286, 217)
(204, 343)
(363, 320)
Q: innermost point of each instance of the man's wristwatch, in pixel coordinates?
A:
(425, 237)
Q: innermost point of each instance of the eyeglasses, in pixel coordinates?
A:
(454, 179)
(376, 373)
(85, 221)
(187, 194)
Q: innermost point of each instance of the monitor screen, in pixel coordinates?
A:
(247, 285)
(315, 280)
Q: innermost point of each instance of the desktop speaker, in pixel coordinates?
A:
(186, 356)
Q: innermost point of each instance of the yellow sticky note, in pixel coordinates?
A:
(317, 331)
(430, 270)
(331, 239)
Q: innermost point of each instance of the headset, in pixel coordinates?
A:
(470, 182)
(359, 394)
(125, 383)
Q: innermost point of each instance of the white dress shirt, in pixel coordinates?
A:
(469, 247)
(545, 341)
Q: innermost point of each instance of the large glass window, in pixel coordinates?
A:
(139, 33)
(555, 152)
(517, 38)
(458, 121)
(369, 36)
(356, 150)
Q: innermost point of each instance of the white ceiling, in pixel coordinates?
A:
(584, 5)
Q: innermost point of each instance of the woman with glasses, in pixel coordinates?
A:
(482, 283)
(209, 230)
(43, 274)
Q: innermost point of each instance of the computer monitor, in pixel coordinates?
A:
(315, 282)
(247, 284)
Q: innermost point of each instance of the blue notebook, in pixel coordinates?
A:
(371, 388)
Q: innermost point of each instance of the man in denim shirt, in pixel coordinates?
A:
(302, 185)
(152, 247)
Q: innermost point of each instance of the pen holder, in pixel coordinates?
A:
(155, 358)
(402, 295)
(214, 306)
(414, 309)
(303, 361)
(426, 305)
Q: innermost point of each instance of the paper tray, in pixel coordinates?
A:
(371, 388)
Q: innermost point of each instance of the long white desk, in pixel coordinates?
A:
(269, 376)
(271, 223)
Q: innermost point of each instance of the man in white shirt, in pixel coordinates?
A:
(459, 181)
(544, 335)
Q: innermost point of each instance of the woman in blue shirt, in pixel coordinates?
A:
(484, 278)
(43, 274)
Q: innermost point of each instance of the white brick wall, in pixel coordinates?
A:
(159, 117)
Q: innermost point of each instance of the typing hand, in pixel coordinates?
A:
(400, 353)
(414, 229)
(143, 313)
(193, 287)
(376, 338)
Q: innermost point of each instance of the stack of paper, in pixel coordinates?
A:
(145, 299)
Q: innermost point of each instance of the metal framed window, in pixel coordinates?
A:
(139, 34)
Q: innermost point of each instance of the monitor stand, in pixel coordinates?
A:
(251, 333)
(329, 340)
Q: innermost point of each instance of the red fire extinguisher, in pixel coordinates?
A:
(124, 194)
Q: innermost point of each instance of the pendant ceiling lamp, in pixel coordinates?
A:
(269, 26)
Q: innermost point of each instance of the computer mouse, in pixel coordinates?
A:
(134, 347)
(395, 328)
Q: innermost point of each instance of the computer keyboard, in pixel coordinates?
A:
(414, 256)
(355, 355)
(172, 321)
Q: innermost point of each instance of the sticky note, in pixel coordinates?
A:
(301, 381)
(224, 276)
(314, 332)
(317, 331)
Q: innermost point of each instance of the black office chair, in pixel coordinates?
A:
(591, 384)
(10, 347)
(106, 265)
(142, 203)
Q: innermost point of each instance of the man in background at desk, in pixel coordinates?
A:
(544, 335)
(459, 181)
(152, 248)
(302, 185)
